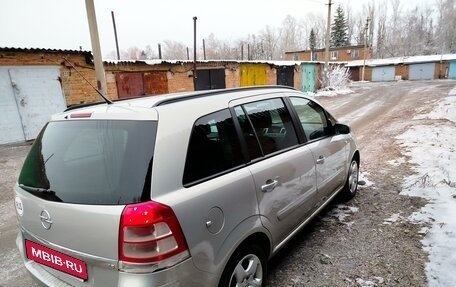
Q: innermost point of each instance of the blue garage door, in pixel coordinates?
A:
(421, 71)
(383, 74)
(452, 72)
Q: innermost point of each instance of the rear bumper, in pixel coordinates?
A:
(182, 274)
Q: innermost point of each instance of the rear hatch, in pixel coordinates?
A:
(71, 193)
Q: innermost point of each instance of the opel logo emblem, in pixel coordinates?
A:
(46, 221)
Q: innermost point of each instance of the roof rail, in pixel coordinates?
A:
(77, 106)
(194, 95)
(207, 93)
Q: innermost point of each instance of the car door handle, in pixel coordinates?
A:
(321, 160)
(269, 185)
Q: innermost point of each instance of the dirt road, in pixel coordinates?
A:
(355, 244)
(368, 241)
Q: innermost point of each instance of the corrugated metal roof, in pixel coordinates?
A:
(403, 60)
(16, 49)
(221, 62)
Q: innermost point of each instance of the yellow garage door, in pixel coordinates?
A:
(253, 74)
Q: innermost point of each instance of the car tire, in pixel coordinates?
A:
(247, 267)
(351, 184)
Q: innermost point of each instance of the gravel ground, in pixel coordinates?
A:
(374, 244)
(364, 242)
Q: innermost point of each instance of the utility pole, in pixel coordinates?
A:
(242, 51)
(328, 32)
(115, 35)
(204, 49)
(366, 28)
(159, 51)
(99, 69)
(194, 52)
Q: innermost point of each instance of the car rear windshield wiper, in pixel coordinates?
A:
(36, 189)
(44, 193)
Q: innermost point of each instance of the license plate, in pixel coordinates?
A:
(56, 260)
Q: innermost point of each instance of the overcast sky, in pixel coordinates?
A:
(62, 24)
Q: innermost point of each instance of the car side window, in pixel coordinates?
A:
(253, 147)
(272, 125)
(312, 117)
(213, 148)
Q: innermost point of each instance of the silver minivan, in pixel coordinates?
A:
(189, 189)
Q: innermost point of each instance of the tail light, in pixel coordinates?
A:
(150, 238)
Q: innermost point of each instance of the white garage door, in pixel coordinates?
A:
(10, 121)
(32, 95)
(422, 71)
(383, 74)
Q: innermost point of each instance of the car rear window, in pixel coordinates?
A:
(103, 162)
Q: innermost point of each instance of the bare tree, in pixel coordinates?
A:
(150, 53)
(270, 39)
(289, 34)
(393, 31)
(174, 50)
(446, 32)
(381, 35)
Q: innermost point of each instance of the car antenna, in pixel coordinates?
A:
(108, 101)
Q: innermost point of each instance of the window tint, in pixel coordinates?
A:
(272, 124)
(312, 118)
(253, 147)
(91, 162)
(214, 147)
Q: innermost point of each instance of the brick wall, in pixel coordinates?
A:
(402, 71)
(298, 78)
(180, 78)
(441, 70)
(76, 90)
(233, 75)
(271, 75)
(367, 73)
(343, 54)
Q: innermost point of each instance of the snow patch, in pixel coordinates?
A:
(341, 212)
(363, 176)
(452, 92)
(351, 117)
(332, 93)
(397, 162)
(371, 282)
(393, 218)
(432, 151)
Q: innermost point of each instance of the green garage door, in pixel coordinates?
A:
(308, 77)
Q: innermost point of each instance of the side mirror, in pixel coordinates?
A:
(341, 129)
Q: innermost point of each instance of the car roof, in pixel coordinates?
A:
(142, 107)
